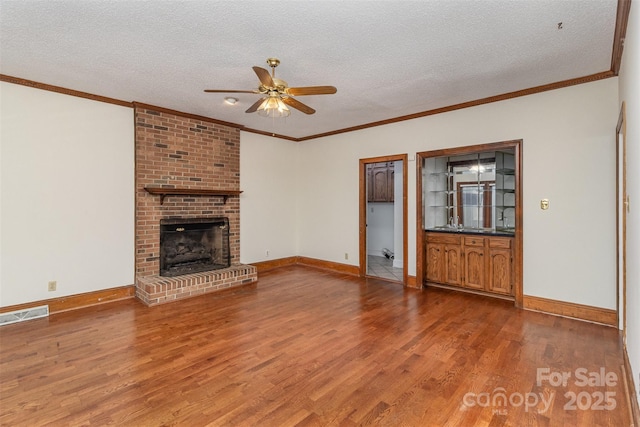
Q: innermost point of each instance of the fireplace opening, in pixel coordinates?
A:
(193, 245)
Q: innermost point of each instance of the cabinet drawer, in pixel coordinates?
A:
(502, 243)
(474, 241)
(446, 238)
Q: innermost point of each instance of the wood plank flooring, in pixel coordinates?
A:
(308, 347)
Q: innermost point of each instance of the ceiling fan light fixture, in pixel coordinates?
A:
(274, 107)
(276, 94)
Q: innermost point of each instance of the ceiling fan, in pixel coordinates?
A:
(276, 93)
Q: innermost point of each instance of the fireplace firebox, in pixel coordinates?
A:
(193, 245)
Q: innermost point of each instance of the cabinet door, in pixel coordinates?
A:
(452, 267)
(380, 183)
(500, 271)
(435, 262)
(474, 271)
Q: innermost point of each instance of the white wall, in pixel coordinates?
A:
(69, 161)
(380, 227)
(630, 94)
(66, 189)
(569, 158)
(67, 195)
(268, 168)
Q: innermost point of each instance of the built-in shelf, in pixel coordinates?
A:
(164, 192)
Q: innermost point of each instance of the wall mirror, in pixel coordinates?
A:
(471, 192)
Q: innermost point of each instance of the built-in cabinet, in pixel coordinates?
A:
(476, 262)
(469, 204)
(380, 177)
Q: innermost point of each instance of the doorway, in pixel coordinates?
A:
(383, 218)
(622, 206)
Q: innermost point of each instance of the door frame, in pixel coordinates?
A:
(518, 245)
(621, 220)
(363, 212)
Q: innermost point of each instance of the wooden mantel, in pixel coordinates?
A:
(163, 192)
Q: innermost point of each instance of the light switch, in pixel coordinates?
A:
(544, 204)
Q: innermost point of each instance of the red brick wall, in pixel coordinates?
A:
(181, 152)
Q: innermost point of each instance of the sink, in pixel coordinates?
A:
(506, 229)
(446, 227)
(474, 230)
(460, 230)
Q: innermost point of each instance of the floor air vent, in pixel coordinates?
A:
(22, 315)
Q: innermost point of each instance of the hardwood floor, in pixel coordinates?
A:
(308, 347)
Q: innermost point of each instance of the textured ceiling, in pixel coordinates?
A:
(387, 58)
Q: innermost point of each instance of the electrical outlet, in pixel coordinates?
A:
(346, 255)
(267, 253)
(53, 285)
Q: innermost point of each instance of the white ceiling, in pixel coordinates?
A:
(387, 58)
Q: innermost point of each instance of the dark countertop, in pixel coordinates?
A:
(473, 231)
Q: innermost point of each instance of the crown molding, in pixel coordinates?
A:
(274, 135)
(482, 101)
(63, 90)
(474, 103)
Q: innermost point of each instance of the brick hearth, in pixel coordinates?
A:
(154, 290)
(175, 151)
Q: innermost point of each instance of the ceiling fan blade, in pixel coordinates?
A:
(311, 90)
(255, 106)
(264, 76)
(292, 102)
(229, 91)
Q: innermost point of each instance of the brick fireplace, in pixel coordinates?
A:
(195, 157)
